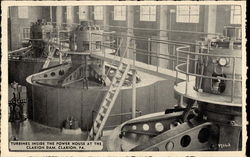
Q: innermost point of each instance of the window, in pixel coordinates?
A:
(235, 15)
(187, 14)
(23, 12)
(83, 12)
(148, 13)
(98, 12)
(120, 13)
(69, 13)
(26, 33)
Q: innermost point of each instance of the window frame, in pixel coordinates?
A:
(23, 12)
(68, 12)
(122, 12)
(82, 15)
(150, 15)
(234, 17)
(98, 12)
(189, 15)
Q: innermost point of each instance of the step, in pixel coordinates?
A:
(108, 99)
(118, 76)
(106, 107)
(101, 114)
(98, 121)
(114, 84)
(112, 91)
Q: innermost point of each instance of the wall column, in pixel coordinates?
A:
(59, 15)
(163, 48)
(130, 32)
(210, 19)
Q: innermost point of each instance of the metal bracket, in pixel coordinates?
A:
(151, 126)
(52, 73)
(74, 75)
(187, 136)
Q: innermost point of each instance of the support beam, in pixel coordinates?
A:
(134, 94)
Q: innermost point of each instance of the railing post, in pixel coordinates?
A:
(177, 61)
(102, 43)
(187, 73)
(134, 55)
(90, 42)
(149, 53)
(173, 55)
(233, 76)
(59, 47)
(157, 60)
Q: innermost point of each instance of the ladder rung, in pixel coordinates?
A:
(106, 107)
(95, 130)
(115, 85)
(108, 99)
(107, 102)
(122, 70)
(118, 76)
(112, 92)
(98, 121)
(101, 114)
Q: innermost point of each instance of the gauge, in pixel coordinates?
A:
(222, 61)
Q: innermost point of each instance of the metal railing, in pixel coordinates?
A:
(184, 67)
(181, 55)
(155, 56)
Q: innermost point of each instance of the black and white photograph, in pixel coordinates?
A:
(91, 77)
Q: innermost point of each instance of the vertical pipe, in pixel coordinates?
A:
(233, 75)
(134, 94)
(149, 51)
(157, 61)
(134, 55)
(90, 42)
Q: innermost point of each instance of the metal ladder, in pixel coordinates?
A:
(108, 102)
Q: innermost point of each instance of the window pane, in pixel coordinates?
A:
(183, 10)
(69, 13)
(194, 19)
(98, 12)
(83, 13)
(194, 10)
(187, 14)
(153, 10)
(235, 15)
(152, 17)
(23, 12)
(119, 12)
(148, 13)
